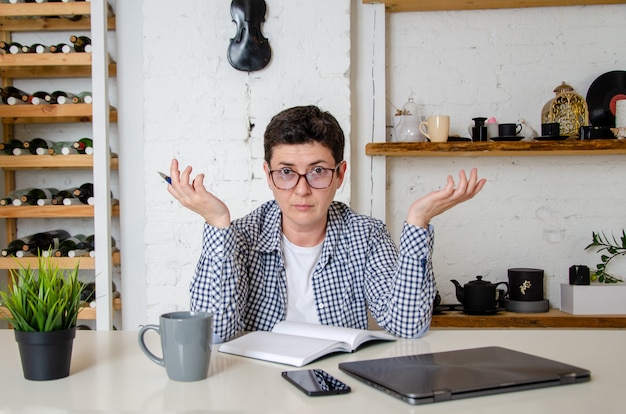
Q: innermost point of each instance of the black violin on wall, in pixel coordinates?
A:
(248, 50)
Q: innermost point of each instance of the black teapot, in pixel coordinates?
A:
(478, 296)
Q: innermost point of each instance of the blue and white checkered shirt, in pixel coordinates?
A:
(240, 276)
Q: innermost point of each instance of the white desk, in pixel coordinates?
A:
(110, 374)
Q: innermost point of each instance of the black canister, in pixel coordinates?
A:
(525, 284)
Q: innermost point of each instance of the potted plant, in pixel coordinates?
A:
(43, 306)
(610, 248)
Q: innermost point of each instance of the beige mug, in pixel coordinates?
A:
(437, 128)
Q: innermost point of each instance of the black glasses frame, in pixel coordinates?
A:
(306, 177)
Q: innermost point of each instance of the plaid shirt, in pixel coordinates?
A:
(241, 279)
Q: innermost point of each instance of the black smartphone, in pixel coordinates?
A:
(316, 382)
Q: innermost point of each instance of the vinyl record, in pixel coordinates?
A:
(602, 95)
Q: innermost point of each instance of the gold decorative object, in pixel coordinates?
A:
(568, 108)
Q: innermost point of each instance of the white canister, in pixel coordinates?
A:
(620, 113)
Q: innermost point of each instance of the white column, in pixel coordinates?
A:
(369, 173)
(101, 164)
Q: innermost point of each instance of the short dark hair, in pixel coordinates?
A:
(303, 125)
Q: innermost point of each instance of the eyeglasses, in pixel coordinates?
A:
(318, 178)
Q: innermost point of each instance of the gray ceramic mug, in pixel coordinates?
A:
(186, 340)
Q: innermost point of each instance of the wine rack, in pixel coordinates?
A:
(43, 18)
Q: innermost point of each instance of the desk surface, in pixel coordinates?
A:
(110, 374)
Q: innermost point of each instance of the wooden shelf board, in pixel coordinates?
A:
(45, 59)
(24, 162)
(35, 72)
(396, 6)
(45, 9)
(29, 114)
(87, 313)
(42, 23)
(484, 149)
(554, 318)
(52, 211)
(84, 314)
(85, 262)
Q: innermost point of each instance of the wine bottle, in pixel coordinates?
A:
(92, 252)
(81, 43)
(40, 98)
(60, 48)
(64, 148)
(14, 195)
(68, 244)
(56, 95)
(84, 192)
(39, 146)
(13, 92)
(35, 48)
(85, 97)
(8, 147)
(14, 246)
(60, 196)
(67, 98)
(34, 195)
(47, 240)
(12, 48)
(84, 146)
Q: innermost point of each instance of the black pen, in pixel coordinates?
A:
(165, 177)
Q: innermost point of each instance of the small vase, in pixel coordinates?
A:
(46, 355)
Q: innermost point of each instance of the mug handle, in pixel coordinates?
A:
(506, 285)
(425, 124)
(518, 128)
(144, 348)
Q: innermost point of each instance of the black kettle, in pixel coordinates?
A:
(478, 296)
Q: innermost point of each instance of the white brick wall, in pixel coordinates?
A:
(535, 211)
(198, 108)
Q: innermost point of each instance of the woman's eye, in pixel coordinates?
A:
(317, 171)
(286, 171)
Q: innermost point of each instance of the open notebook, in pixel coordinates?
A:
(452, 375)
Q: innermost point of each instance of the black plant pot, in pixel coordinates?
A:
(46, 355)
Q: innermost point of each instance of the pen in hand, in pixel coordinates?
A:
(165, 177)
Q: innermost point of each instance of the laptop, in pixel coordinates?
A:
(465, 373)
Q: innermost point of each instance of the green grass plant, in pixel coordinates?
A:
(44, 299)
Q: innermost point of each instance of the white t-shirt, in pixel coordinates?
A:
(299, 265)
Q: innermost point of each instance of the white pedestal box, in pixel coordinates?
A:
(594, 299)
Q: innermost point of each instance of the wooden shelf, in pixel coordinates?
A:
(485, 149)
(37, 114)
(48, 65)
(551, 319)
(396, 6)
(81, 8)
(52, 211)
(85, 262)
(90, 313)
(36, 162)
(85, 313)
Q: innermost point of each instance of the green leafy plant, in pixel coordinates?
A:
(612, 248)
(44, 299)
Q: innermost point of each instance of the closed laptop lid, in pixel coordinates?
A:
(450, 375)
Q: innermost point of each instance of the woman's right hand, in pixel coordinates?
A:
(193, 195)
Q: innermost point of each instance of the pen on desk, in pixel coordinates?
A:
(165, 177)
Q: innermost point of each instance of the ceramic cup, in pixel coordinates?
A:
(186, 340)
(550, 129)
(509, 130)
(436, 128)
